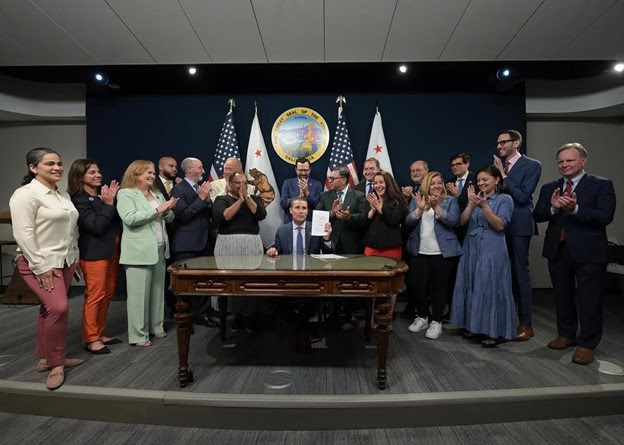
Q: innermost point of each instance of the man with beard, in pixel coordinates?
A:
(301, 186)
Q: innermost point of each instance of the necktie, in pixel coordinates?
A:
(370, 187)
(566, 192)
(460, 184)
(196, 187)
(168, 186)
(339, 195)
(506, 169)
(300, 249)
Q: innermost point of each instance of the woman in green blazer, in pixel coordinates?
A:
(144, 248)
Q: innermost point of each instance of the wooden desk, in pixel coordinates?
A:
(355, 276)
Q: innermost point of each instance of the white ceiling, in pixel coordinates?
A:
(98, 32)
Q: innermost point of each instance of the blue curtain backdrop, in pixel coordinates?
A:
(430, 126)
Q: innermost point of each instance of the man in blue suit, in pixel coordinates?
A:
(287, 236)
(192, 228)
(578, 208)
(521, 175)
(302, 185)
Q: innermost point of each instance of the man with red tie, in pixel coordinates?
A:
(578, 208)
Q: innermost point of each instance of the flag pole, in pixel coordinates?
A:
(232, 103)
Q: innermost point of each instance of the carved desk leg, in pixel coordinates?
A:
(183, 319)
(223, 317)
(384, 322)
(369, 308)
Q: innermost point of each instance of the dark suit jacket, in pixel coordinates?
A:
(290, 189)
(520, 184)
(462, 199)
(361, 187)
(585, 232)
(384, 231)
(159, 184)
(98, 225)
(192, 219)
(284, 241)
(346, 234)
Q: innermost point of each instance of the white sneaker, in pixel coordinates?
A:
(418, 325)
(434, 331)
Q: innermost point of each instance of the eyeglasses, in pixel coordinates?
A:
(504, 142)
(333, 178)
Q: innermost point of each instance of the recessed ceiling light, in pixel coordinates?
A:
(192, 71)
(503, 73)
(619, 67)
(100, 78)
(403, 68)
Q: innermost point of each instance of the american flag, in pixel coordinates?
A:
(341, 154)
(227, 147)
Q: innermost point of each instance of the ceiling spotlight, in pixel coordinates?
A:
(503, 73)
(100, 78)
(192, 71)
(403, 68)
(619, 67)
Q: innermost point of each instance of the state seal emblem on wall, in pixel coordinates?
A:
(300, 133)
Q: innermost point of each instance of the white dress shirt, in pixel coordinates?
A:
(44, 226)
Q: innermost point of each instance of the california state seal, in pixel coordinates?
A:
(300, 133)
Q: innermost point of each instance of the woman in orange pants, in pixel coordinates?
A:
(100, 229)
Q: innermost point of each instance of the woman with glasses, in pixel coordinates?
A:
(237, 216)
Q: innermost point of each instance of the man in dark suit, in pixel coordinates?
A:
(521, 175)
(371, 168)
(302, 185)
(167, 175)
(192, 224)
(578, 208)
(286, 237)
(346, 207)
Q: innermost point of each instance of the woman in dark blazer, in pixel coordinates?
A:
(100, 231)
(433, 245)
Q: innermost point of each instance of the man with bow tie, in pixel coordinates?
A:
(192, 228)
(578, 208)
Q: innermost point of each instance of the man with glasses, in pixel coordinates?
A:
(300, 186)
(345, 206)
(521, 175)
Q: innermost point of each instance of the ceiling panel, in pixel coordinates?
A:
(356, 30)
(11, 53)
(32, 29)
(486, 27)
(421, 28)
(604, 40)
(88, 21)
(163, 29)
(292, 30)
(553, 27)
(227, 29)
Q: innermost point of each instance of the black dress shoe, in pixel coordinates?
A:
(205, 320)
(100, 351)
(112, 341)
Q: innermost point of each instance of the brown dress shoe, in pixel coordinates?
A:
(583, 356)
(524, 333)
(562, 343)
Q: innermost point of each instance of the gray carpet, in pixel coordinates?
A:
(245, 363)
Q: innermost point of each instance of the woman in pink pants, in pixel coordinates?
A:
(44, 226)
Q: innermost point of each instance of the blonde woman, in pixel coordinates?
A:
(144, 248)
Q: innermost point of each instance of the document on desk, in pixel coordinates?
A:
(319, 219)
(328, 256)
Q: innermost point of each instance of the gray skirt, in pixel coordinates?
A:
(238, 245)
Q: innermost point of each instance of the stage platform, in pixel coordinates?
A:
(259, 382)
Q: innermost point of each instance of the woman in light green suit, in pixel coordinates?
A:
(144, 248)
